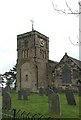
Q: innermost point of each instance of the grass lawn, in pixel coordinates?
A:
(39, 104)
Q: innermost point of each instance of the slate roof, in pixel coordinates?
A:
(77, 62)
(51, 61)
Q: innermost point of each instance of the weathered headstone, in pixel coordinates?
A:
(19, 95)
(24, 94)
(55, 89)
(6, 89)
(46, 91)
(28, 91)
(79, 89)
(6, 100)
(70, 97)
(54, 103)
(41, 91)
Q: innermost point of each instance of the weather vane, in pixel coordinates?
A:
(32, 24)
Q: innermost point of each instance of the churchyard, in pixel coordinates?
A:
(54, 105)
(39, 104)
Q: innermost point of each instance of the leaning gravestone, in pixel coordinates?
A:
(6, 89)
(70, 97)
(6, 100)
(54, 102)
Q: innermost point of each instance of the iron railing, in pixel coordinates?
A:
(13, 114)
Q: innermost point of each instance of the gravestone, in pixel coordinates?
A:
(28, 91)
(70, 97)
(54, 102)
(6, 100)
(6, 89)
(41, 91)
(55, 89)
(19, 95)
(24, 94)
(46, 91)
(79, 89)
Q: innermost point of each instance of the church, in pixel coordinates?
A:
(35, 70)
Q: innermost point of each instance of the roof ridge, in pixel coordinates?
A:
(76, 61)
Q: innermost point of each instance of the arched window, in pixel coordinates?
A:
(66, 74)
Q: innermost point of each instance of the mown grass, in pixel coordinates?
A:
(39, 104)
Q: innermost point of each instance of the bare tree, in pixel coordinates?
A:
(70, 11)
(76, 44)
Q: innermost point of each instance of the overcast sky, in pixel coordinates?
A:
(15, 17)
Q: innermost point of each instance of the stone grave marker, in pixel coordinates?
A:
(24, 94)
(54, 103)
(70, 97)
(55, 89)
(6, 100)
(19, 95)
(28, 91)
(79, 89)
(41, 91)
(6, 89)
(46, 91)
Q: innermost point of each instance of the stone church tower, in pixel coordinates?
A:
(32, 60)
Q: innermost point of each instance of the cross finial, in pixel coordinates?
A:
(32, 24)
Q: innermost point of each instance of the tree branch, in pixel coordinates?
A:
(77, 44)
(76, 12)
